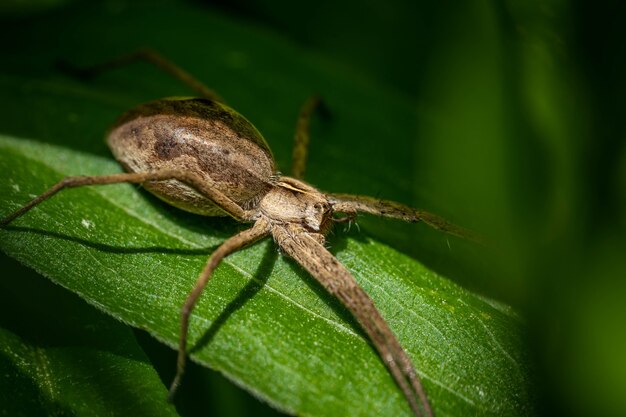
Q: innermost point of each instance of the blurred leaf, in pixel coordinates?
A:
(25, 7)
(262, 322)
(58, 356)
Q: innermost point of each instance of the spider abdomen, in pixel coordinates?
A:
(198, 135)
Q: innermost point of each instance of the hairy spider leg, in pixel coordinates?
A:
(351, 203)
(231, 245)
(188, 177)
(338, 281)
(152, 57)
(302, 136)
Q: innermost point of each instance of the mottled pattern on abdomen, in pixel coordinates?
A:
(195, 135)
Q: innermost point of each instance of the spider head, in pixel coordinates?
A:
(292, 201)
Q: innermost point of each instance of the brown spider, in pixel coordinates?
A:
(202, 156)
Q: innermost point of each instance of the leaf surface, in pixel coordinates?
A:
(261, 319)
(262, 322)
(58, 356)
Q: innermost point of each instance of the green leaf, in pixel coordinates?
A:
(262, 322)
(90, 365)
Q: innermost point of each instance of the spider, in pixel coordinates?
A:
(202, 156)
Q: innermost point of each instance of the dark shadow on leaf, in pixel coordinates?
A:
(218, 225)
(337, 240)
(246, 293)
(337, 244)
(461, 260)
(117, 249)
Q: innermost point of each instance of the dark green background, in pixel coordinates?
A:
(519, 133)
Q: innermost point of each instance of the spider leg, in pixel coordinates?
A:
(233, 244)
(187, 177)
(350, 203)
(151, 57)
(302, 135)
(337, 280)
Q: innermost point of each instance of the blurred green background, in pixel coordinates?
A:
(518, 132)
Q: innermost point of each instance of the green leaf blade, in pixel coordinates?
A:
(262, 321)
(58, 356)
